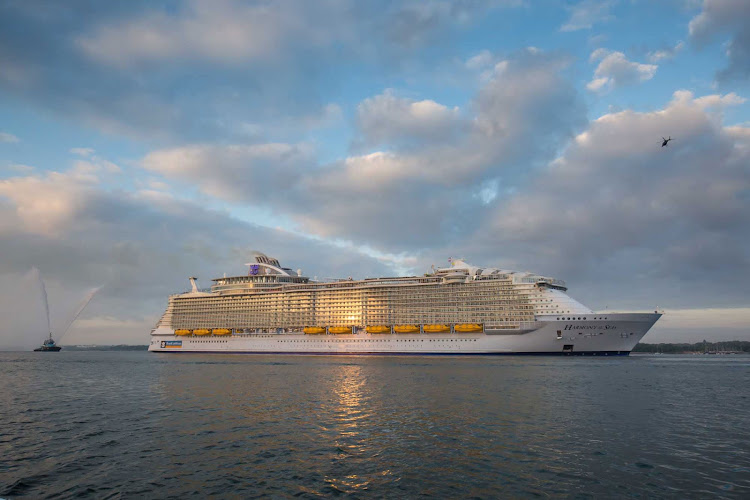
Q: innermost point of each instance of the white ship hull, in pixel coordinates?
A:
(616, 335)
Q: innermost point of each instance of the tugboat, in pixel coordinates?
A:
(49, 345)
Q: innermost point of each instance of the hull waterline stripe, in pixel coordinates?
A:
(380, 353)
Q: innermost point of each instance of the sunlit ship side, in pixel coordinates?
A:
(461, 309)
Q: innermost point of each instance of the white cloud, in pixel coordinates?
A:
(46, 205)
(388, 118)
(85, 152)
(713, 101)
(665, 54)
(422, 182)
(672, 224)
(586, 13)
(614, 70)
(6, 137)
(597, 84)
(237, 172)
(480, 61)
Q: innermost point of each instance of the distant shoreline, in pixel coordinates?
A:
(723, 347)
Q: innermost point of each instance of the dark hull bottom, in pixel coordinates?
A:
(47, 349)
(322, 353)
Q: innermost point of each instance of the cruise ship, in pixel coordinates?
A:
(460, 309)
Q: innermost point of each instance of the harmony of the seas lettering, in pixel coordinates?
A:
(590, 327)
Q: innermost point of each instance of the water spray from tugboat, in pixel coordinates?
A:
(80, 309)
(49, 343)
(43, 289)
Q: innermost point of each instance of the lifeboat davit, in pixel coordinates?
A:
(406, 329)
(222, 331)
(182, 332)
(201, 331)
(436, 328)
(378, 329)
(468, 328)
(314, 330)
(337, 330)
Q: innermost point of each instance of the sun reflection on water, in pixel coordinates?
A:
(352, 441)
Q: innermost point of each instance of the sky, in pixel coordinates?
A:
(144, 142)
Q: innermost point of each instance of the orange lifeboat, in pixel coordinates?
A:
(222, 331)
(436, 328)
(406, 329)
(314, 330)
(181, 332)
(468, 328)
(338, 330)
(201, 331)
(378, 329)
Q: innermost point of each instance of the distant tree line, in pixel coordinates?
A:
(698, 347)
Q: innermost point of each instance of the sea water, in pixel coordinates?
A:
(138, 424)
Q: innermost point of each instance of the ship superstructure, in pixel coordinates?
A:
(459, 309)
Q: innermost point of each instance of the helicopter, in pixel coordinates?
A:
(665, 142)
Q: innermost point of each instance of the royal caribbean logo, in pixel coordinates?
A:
(171, 344)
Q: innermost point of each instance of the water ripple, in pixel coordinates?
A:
(131, 425)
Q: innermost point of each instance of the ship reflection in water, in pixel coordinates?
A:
(134, 424)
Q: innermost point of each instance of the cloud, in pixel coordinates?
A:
(696, 325)
(85, 152)
(8, 138)
(670, 223)
(422, 184)
(225, 32)
(387, 118)
(666, 53)
(45, 205)
(480, 61)
(19, 167)
(614, 70)
(230, 32)
(586, 13)
(252, 173)
(142, 245)
(231, 71)
(731, 17)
